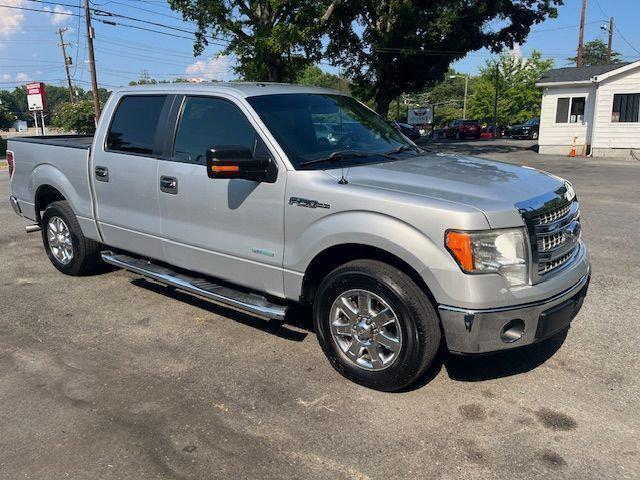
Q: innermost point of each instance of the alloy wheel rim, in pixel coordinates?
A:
(365, 329)
(60, 242)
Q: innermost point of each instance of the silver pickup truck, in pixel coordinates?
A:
(258, 196)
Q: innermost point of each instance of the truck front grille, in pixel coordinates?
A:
(553, 224)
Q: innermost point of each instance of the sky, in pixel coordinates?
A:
(29, 44)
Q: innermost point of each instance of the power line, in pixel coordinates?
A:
(617, 29)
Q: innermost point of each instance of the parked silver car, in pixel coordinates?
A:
(229, 191)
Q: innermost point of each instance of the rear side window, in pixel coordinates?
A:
(208, 122)
(134, 124)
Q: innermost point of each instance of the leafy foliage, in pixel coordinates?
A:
(6, 118)
(518, 97)
(391, 47)
(595, 53)
(274, 40)
(315, 77)
(75, 117)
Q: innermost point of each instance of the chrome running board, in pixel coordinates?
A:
(247, 302)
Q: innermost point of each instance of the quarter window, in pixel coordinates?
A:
(134, 124)
(570, 110)
(208, 122)
(626, 107)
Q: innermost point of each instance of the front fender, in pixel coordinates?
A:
(367, 228)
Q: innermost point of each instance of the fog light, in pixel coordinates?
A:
(512, 331)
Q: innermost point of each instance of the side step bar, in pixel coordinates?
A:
(247, 302)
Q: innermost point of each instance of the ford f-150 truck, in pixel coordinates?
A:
(259, 196)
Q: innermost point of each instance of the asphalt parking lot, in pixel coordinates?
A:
(113, 377)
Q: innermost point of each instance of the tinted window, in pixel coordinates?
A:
(626, 107)
(562, 111)
(311, 127)
(134, 124)
(209, 122)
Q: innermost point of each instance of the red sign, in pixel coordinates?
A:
(36, 98)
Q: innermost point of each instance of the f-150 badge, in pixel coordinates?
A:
(305, 202)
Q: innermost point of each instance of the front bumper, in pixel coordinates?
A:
(488, 330)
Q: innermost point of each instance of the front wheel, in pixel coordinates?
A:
(375, 325)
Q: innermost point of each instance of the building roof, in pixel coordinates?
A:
(578, 74)
(243, 89)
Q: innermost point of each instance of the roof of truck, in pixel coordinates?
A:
(245, 89)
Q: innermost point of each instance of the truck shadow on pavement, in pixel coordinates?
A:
(298, 324)
(478, 368)
(273, 327)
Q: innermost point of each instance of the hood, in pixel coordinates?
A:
(492, 187)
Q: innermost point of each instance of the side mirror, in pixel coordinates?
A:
(235, 161)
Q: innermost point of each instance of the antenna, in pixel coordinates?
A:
(343, 180)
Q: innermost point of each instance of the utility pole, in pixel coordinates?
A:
(610, 40)
(581, 38)
(495, 102)
(92, 62)
(67, 62)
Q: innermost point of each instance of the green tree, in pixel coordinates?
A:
(6, 117)
(518, 97)
(391, 47)
(75, 117)
(313, 76)
(595, 53)
(273, 40)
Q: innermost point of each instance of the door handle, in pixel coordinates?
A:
(102, 174)
(169, 185)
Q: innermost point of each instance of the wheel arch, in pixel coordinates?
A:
(332, 257)
(44, 196)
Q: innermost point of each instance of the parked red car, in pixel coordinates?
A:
(460, 129)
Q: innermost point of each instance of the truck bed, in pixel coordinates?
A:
(71, 141)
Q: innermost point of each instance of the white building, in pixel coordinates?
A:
(597, 107)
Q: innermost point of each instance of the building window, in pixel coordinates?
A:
(626, 107)
(570, 110)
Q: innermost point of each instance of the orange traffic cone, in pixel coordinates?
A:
(573, 152)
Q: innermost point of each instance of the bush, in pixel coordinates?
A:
(75, 117)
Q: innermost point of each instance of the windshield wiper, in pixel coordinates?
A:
(337, 156)
(403, 148)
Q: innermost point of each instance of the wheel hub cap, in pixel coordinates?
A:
(59, 239)
(365, 329)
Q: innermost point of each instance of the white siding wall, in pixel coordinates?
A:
(609, 135)
(557, 138)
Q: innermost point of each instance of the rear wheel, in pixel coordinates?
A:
(66, 246)
(375, 325)
(534, 136)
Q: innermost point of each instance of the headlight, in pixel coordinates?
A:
(493, 251)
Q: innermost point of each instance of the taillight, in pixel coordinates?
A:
(10, 162)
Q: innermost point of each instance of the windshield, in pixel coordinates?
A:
(311, 127)
(533, 121)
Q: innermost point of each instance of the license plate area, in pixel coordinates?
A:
(559, 317)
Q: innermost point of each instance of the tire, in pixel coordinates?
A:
(69, 250)
(416, 328)
(458, 136)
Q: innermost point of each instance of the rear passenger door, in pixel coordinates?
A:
(229, 229)
(125, 175)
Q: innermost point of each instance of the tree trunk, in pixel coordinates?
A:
(382, 101)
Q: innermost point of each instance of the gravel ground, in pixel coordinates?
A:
(113, 377)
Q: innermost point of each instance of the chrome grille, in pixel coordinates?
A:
(553, 223)
(548, 266)
(553, 215)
